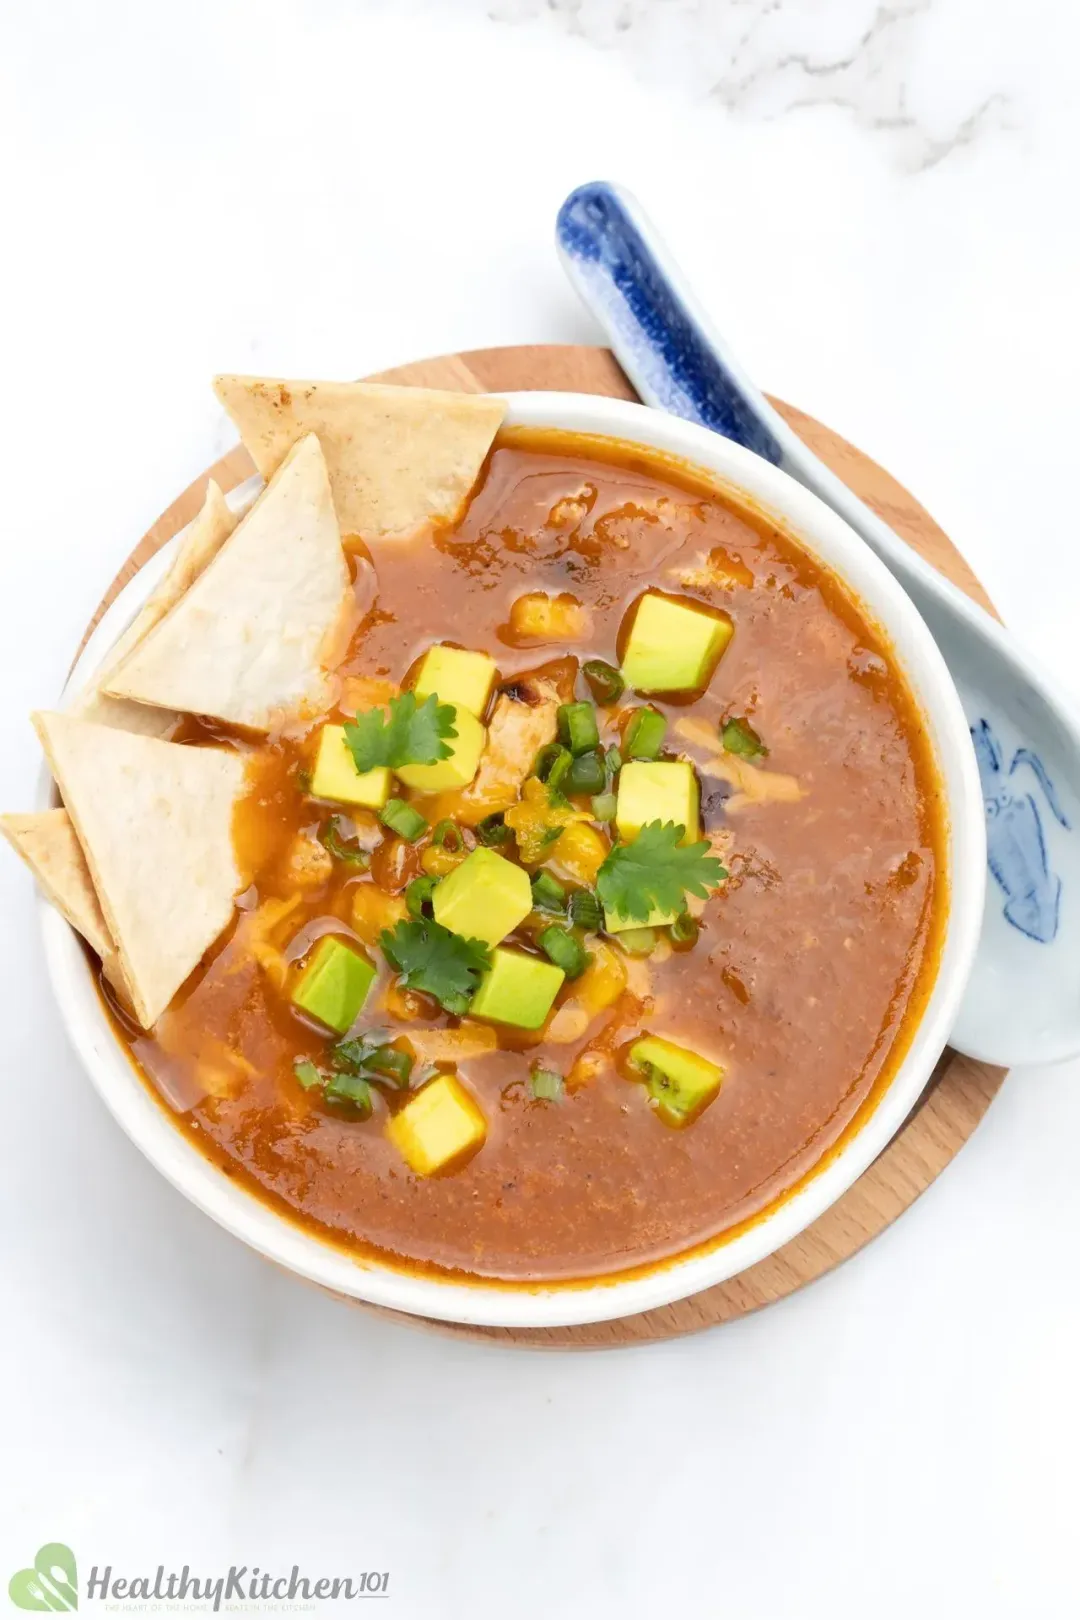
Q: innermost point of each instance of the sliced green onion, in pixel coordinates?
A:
(548, 895)
(352, 1054)
(564, 950)
(684, 931)
(403, 819)
(493, 830)
(546, 1085)
(586, 775)
(350, 1088)
(644, 734)
(604, 806)
(637, 941)
(605, 682)
(586, 911)
(456, 1003)
(307, 1074)
(448, 835)
(739, 737)
(552, 764)
(577, 727)
(389, 1063)
(418, 896)
(332, 841)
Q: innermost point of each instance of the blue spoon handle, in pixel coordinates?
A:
(679, 363)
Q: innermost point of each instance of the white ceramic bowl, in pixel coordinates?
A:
(825, 536)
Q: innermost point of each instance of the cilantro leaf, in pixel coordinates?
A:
(653, 872)
(432, 959)
(414, 734)
(739, 737)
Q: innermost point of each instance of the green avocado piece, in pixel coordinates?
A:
(657, 790)
(679, 1082)
(517, 989)
(483, 898)
(674, 646)
(334, 984)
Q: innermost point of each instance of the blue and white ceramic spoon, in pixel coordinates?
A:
(1023, 1000)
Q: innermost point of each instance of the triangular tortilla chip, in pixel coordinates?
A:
(202, 540)
(47, 843)
(155, 823)
(245, 642)
(398, 457)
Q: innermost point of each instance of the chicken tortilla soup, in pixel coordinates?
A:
(508, 854)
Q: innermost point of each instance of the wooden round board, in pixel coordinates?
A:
(960, 1090)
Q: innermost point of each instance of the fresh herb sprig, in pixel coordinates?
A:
(431, 959)
(410, 734)
(654, 871)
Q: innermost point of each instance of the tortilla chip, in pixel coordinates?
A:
(155, 823)
(245, 642)
(398, 457)
(201, 540)
(47, 843)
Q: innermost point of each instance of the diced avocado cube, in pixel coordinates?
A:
(674, 646)
(334, 984)
(614, 923)
(336, 777)
(460, 768)
(657, 790)
(438, 1126)
(456, 676)
(483, 898)
(517, 989)
(680, 1083)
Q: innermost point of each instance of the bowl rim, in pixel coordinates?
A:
(829, 539)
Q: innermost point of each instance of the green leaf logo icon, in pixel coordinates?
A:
(52, 1586)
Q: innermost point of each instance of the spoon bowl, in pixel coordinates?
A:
(1022, 1003)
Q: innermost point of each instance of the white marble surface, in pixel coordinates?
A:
(878, 201)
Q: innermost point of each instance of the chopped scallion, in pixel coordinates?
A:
(418, 896)
(548, 895)
(604, 806)
(578, 730)
(389, 1063)
(448, 835)
(564, 950)
(684, 931)
(552, 764)
(739, 737)
(546, 1085)
(352, 1089)
(351, 854)
(586, 911)
(402, 819)
(613, 761)
(493, 830)
(645, 734)
(307, 1074)
(586, 775)
(605, 682)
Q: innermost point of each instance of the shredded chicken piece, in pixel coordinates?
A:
(309, 863)
(755, 785)
(516, 734)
